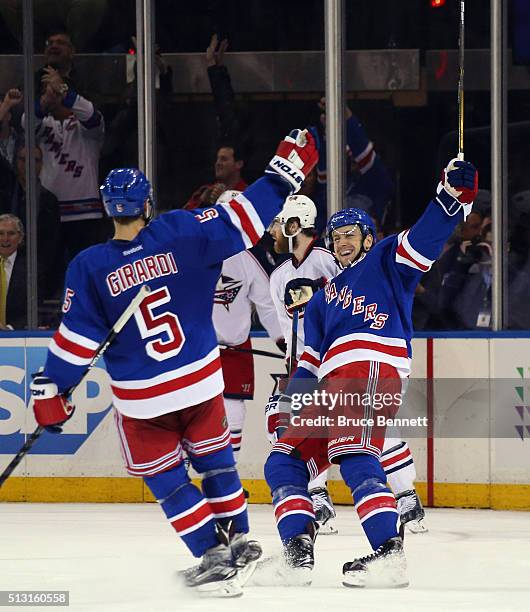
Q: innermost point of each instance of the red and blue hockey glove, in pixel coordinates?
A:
(277, 413)
(296, 156)
(51, 409)
(458, 187)
(299, 291)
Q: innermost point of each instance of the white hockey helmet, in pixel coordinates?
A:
(298, 207)
(227, 196)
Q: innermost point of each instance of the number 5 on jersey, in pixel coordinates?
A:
(166, 322)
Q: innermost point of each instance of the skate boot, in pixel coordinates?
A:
(385, 568)
(294, 567)
(411, 511)
(245, 554)
(324, 511)
(217, 573)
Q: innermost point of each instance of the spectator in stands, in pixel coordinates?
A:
(230, 158)
(13, 200)
(81, 17)
(70, 132)
(368, 182)
(13, 294)
(8, 133)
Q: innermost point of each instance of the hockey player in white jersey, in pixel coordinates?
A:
(164, 365)
(294, 232)
(357, 335)
(243, 284)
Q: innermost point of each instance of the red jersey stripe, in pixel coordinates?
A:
(395, 351)
(170, 385)
(310, 359)
(73, 347)
(405, 254)
(246, 223)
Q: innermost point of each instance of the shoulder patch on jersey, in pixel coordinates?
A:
(226, 291)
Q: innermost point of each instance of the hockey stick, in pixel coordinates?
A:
(253, 351)
(294, 342)
(461, 84)
(114, 331)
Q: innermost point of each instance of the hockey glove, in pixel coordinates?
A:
(458, 187)
(277, 413)
(51, 409)
(299, 291)
(296, 156)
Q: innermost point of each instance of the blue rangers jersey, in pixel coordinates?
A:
(166, 358)
(364, 313)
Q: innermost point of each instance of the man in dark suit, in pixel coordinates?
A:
(12, 274)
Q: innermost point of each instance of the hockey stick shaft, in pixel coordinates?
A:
(114, 331)
(294, 342)
(461, 48)
(253, 351)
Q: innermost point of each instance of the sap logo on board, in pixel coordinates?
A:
(92, 400)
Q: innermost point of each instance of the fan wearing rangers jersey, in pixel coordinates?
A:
(294, 232)
(357, 340)
(70, 133)
(243, 284)
(164, 365)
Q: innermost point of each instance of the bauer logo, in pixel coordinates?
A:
(92, 400)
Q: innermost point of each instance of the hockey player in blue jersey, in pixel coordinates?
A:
(357, 338)
(164, 365)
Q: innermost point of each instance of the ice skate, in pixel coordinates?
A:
(215, 576)
(245, 555)
(324, 511)
(385, 568)
(293, 568)
(411, 511)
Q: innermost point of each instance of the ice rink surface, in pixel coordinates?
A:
(123, 557)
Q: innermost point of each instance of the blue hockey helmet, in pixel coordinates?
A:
(124, 193)
(350, 216)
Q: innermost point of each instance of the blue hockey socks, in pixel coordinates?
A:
(222, 487)
(185, 507)
(374, 502)
(288, 478)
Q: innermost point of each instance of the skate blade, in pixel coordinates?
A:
(327, 529)
(387, 573)
(222, 589)
(273, 571)
(416, 527)
(245, 573)
(362, 585)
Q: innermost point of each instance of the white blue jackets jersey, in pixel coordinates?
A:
(166, 358)
(242, 284)
(317, 262)
(364, 314)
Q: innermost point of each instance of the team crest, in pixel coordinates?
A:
(226, 291)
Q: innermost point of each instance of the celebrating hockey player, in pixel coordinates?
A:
(164, 365)
(243, 284)
(357, 336)
(308, 268)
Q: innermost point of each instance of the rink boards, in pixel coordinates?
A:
(84, 463)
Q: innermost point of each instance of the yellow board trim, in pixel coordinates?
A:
(131, 490)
